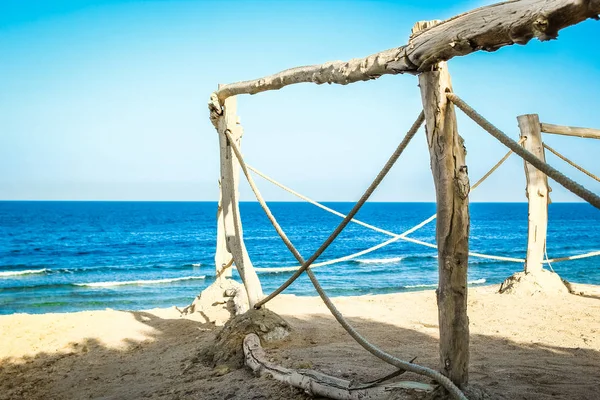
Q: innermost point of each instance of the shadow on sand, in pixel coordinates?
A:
(166, 365)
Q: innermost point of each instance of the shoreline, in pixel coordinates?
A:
(579, 289)
(536, 347)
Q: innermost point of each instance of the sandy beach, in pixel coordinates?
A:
(536, 347)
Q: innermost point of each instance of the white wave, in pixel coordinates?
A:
(421, 286)
(475, 282)
(25, 272)
(196, 265)
(139, 282)
(380, 260)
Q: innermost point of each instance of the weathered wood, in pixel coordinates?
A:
(487, 28)
(320, 385)
(222, 255)
(537, 192)
(447, 155)
(232, 222)
(571, 131)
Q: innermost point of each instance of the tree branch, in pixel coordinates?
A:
(487, 28)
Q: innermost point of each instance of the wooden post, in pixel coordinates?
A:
(447, 155)
(232, 222)
(537, 193)
(222, 255)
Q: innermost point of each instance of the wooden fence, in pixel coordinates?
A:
(430, 45)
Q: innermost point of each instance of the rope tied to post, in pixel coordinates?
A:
(395, 237)
(404, 365)
(386, 168)
(544, 167)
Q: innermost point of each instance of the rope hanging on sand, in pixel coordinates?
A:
(405, 365)
(396, 237)
(585, 171)
(551, 172)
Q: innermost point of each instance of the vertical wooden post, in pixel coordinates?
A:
(447, 155)
(232, 222)
(222, 254)
(537, 192)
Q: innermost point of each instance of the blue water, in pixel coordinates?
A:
(70, 256)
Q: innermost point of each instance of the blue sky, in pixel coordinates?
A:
(106, 100)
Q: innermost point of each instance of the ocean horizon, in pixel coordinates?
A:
(63, 256)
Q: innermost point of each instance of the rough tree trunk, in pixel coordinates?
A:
(537, 193)
(232, 222)
(534, 279)
(447, 155)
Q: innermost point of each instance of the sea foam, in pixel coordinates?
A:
(390, 260)
(24, 272)
(139, 282)
(434, 285)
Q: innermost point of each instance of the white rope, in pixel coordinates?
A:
(379, 246)
(321, 206)
(547, 260)
(576, 257)
(395, 236)
(342, 259)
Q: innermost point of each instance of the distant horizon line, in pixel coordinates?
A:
(273, 201)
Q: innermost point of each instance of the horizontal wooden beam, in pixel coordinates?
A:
(487, 28)
(571, 131)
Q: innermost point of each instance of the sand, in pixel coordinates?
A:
(535, 347)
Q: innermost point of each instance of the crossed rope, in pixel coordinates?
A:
(395, 237)
(377, 352)
(404, 235)
(305, 265)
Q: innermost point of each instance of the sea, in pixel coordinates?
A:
(74, 256)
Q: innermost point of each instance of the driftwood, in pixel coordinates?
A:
(537, 193)
(232, 224)
(319, 384)
(487, 28)
(571, 131)
(447, 156)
